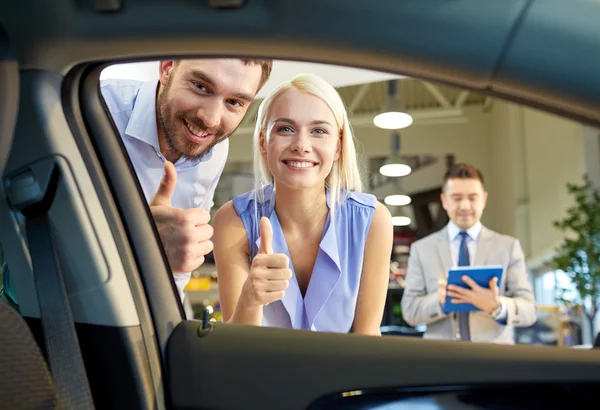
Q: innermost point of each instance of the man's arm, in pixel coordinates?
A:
(518, 302)
(418, 306)
(184, 233)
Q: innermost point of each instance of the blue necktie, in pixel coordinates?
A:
(463, 260)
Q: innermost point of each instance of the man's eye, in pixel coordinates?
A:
(201, 87)
(235, 103)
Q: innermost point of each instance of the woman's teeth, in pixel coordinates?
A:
(296, 164)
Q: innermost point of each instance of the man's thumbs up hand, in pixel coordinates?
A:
(185, 233)
(270, 272)
(165, 190)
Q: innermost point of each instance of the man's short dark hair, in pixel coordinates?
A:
(265, 65)
(463, 171)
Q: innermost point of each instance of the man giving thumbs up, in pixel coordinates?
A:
(185, 233)
(185, 117)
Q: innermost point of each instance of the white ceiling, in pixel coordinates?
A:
(337, 76)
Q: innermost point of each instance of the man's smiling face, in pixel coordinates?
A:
(201, 102)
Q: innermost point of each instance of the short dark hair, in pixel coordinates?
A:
(266, 65)
(463, 171)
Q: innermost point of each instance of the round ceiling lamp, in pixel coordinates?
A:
(395, 165)
(395, 170)
(392, 120)
(397, 200)
(392, 116)
(401, 221)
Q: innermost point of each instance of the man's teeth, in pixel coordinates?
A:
(297, 164)
(196, 131)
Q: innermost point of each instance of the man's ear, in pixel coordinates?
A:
(166, 69)
(443, 200)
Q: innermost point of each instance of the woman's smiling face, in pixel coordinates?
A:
(303, 140)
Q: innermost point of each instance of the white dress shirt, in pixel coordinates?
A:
(455, 239)
(472, 236)
(133, 108)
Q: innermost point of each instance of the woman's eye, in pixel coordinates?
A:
(319, 131)
(285, 128)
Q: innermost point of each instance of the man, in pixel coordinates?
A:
(175, 130)
(465, 241)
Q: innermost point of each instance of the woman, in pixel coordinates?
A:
(305, 249)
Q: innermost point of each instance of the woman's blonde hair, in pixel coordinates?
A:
(345, 175)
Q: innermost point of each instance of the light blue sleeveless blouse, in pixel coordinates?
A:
(330, 300)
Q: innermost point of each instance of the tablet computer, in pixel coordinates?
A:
(480, 274)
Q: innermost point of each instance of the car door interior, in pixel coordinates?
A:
(100, 293)
(137, 349)
(25, 379)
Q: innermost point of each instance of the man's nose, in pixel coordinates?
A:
(464, 205)
(210, 113)
(302, 142)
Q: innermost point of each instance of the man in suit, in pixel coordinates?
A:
(465, 241)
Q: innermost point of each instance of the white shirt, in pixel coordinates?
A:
(133, 108)
(472, 237)
(455, 240)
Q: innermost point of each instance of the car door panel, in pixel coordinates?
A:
(529, 396)
(241, 367)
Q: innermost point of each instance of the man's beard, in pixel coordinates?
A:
(184, 148)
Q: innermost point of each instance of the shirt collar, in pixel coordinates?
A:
(454, 230)
(142, 124)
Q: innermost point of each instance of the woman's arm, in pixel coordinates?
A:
(245, 288)
(375, 274)
(231, 252)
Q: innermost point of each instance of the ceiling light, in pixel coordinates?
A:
(395, 170)
(392, 115)
(392, 120)
(401, 220)
(397, 200)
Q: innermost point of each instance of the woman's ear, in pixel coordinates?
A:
(338, 150)
(262, 142)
